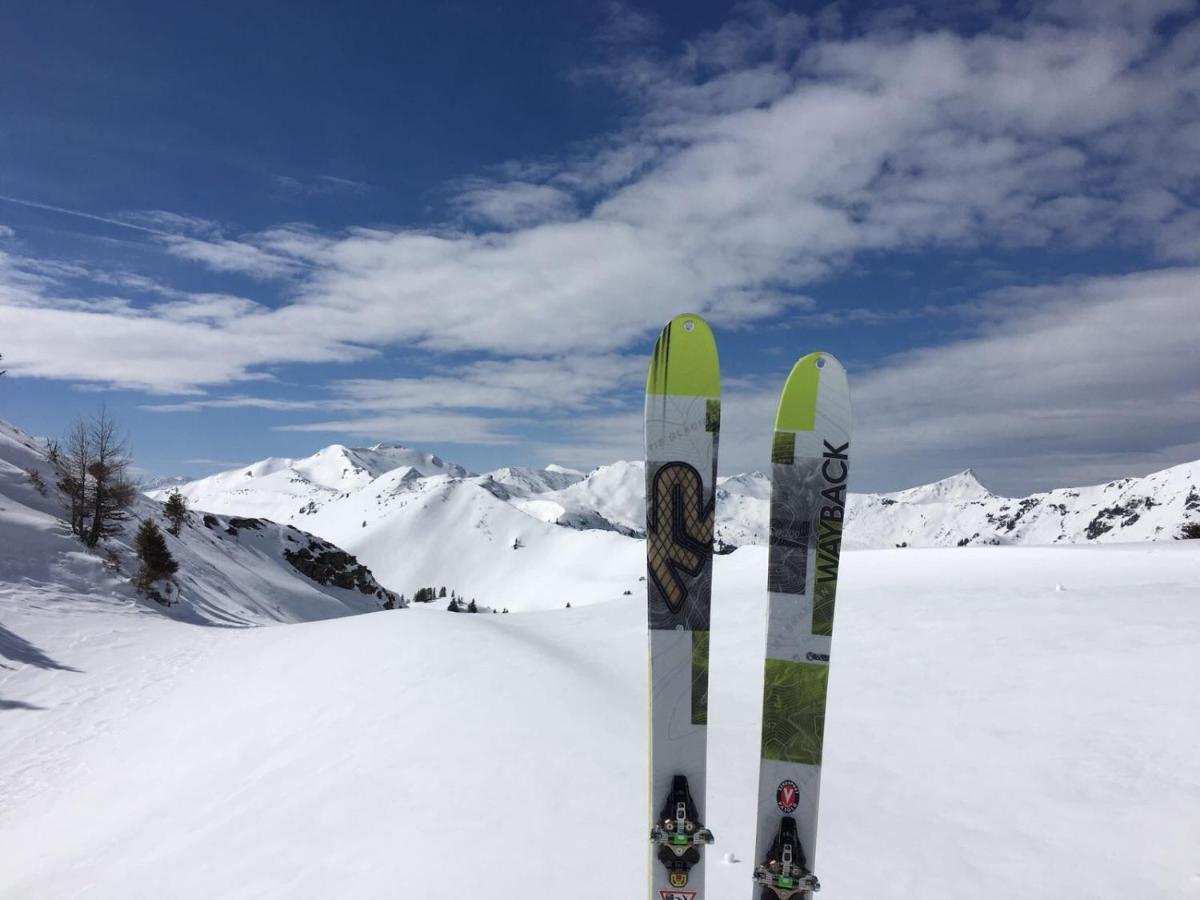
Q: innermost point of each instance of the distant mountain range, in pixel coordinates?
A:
(414, 517)
(515, 537)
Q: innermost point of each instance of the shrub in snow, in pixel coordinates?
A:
(112, 561)
(35, 478)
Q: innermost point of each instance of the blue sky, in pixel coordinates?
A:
(256, 231)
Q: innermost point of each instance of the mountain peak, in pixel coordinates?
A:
(961, 487)
(389, 445)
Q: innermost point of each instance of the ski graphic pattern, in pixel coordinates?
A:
(683, 417)
(810, 458)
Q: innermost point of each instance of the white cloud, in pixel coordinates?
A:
(213, 308)
(624, 24)
(225, 255)
(512, 385)
(514, 204)
(237, 402)
(173, 222)
(416, 428)
(1100, 373)
(320, 186)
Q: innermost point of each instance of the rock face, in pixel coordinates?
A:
(326, 564)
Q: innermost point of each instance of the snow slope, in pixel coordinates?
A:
(231, 571)
(988, 736)
(469, 536)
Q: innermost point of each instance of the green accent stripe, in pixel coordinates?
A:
(798, 402)
(824, 594)
(685, 362)
(712, 416)
(699, 677)
(794, 711)
(783, 448)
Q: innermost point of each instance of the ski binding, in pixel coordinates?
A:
(678, 833)
(785, 872)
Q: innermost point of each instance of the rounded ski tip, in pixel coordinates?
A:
(685, 360)
(813, 373)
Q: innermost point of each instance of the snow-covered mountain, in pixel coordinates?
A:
(959, 510)
(232, 570)
(955, 511)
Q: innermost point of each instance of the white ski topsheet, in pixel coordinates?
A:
(676, 433)
(790, 779)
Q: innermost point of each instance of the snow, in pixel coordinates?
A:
(987, 735)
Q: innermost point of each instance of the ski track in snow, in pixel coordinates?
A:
(988, 736)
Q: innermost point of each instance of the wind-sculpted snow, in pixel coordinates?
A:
(232, 571)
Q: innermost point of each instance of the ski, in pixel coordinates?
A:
(683, 418)
(810, 458)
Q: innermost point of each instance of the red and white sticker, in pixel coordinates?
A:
(787, 796)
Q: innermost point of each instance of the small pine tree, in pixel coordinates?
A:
(156, 560)
(442, 592)
(176, 511)
(568, 604)
(453, 607)
(35, 478)
(1190, 531)
(471, 607)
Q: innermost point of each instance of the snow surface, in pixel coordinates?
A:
(987, 736)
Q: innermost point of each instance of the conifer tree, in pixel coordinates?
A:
(176, 511)
(154, 556)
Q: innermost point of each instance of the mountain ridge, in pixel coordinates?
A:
(953, 511)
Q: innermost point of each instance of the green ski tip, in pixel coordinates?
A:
(798, 402)
(685, 363)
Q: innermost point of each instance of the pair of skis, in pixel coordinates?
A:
(809, 466)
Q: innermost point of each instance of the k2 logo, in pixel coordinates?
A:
(679, 531)
(677, 895)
